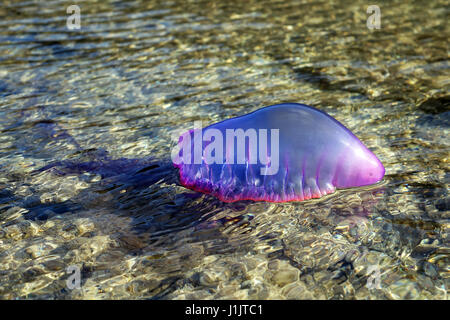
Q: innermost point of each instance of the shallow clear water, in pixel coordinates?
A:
(112, 93)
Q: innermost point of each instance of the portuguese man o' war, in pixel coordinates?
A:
(280, 153)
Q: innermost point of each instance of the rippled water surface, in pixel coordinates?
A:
(86, 119)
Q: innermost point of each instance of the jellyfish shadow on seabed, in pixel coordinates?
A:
(146, 190)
